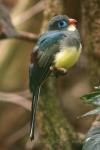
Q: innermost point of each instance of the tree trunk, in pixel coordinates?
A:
(91, 36)
(55, 131)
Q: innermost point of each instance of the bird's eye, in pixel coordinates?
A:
(62, 24)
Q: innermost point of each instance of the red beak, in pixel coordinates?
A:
(72, 21)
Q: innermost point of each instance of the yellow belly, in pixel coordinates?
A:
(67, 57)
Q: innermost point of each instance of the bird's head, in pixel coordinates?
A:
(62, 22)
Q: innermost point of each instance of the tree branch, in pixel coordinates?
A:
(8, 30)
(17, 135)
(37, 8)
(29, 37)
(15, 99)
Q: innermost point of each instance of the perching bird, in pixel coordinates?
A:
(56, 51)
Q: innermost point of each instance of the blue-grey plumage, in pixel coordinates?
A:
(59, 48)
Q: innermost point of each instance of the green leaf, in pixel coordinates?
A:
(92, 141)
(97, 87)
(90, 113)
(92, 98)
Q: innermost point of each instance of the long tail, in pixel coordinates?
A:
(34, 106)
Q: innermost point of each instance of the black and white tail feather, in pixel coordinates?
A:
(33, 113)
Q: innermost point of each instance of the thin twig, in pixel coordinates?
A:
(16, 99)
(97, 21)
(37, 8)
(17, 135)
(25, 94)
(32, 37)
(29, 37)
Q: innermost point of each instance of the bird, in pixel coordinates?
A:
(56, 51)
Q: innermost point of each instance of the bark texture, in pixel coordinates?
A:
(91, 36)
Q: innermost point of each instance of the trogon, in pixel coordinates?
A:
(57, 50)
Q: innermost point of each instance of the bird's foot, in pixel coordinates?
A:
(58, 71)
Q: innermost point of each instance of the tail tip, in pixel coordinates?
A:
(31, 136)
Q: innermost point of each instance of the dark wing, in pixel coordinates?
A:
(41, 60)
(46, 48)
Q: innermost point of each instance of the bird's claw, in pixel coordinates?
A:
(58, 71)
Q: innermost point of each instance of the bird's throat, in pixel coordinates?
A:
(71, 28)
